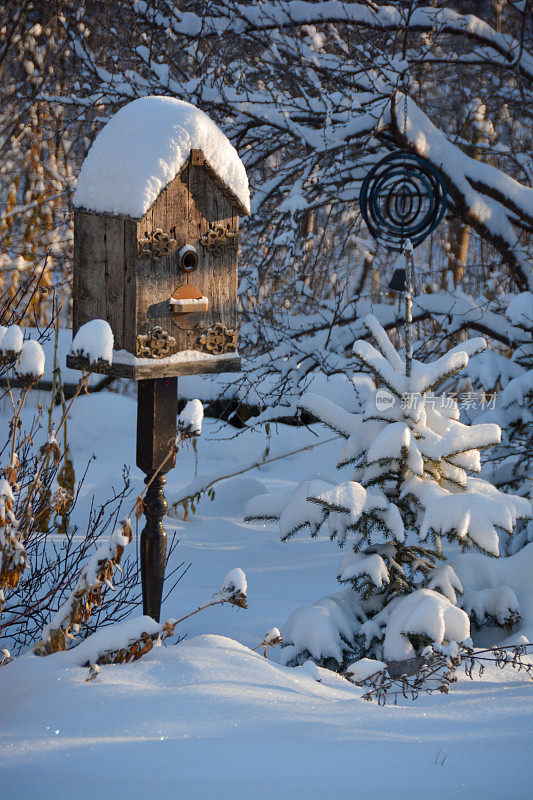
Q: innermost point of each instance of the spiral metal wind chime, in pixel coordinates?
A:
(402, 200)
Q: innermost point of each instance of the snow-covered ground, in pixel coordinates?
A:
(211, 718)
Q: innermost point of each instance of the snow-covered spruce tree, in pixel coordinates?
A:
(410, 492)
(511, 466)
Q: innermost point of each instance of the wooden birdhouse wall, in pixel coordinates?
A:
(186, 209)
(115, 281)
(105, 253)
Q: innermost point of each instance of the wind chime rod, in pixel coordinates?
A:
(407, 247)
(408, 253)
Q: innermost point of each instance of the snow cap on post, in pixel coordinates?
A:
(29, 366)
(141, 150)
(11, 343)
(94, 342)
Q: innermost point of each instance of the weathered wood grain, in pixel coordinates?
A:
(190, 204)
(157, 280)
(157, 411)
(198, 157)
(130, 285)
(89, 268)
(99, 272)
(216, 277)
(114, 277)
(157, 370)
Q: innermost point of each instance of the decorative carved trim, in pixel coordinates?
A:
(217, 239)
(156, 344)
(218, 339)
(156, 246)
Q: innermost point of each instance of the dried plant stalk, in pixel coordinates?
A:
(95, 576)
(138, 646)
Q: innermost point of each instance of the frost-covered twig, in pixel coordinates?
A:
(204, 485)
(29, 366)
(97, 573)
(54, 570)
(12, 550)
(272, 637)
(133, 647)
(435, 671)
(50, 447)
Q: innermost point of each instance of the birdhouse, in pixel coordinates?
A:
(156, 238)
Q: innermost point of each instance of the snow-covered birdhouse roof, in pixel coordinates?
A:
(141, 150)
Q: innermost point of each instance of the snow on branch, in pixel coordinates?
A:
(321, 630)
(477, 513)
(29, 366)
(131, 640)
(426, 613)
(328, 412)
(384, 344)
(491, 201)
(11, 341)
(381, 367)
(371, 565)
(459, 312)
(190, 420)
(233, 589)
(295, 13)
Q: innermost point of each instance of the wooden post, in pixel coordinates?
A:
(157, 408)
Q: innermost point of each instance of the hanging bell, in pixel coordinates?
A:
(398, 281)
